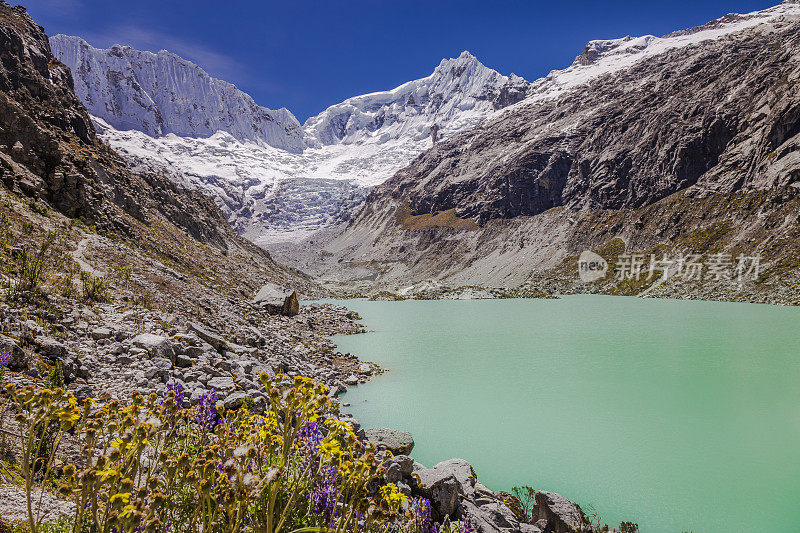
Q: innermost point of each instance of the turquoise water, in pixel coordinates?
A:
(681, 416)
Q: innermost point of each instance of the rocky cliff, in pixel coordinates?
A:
(664, 137)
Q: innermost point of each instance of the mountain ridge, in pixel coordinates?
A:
(162, 93)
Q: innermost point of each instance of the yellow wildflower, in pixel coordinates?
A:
(123, 497)
(330, 448)
(105, 474)
(68, 416)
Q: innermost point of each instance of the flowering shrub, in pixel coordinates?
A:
(154, 466)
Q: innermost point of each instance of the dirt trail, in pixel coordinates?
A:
(79, 256)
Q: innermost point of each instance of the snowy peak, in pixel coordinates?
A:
(610, 50)
(605, 47)
(457, 95)
(162, 93)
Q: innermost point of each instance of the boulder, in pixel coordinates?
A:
(159, 368)
(214, 340)
(445, 484)
(405, 463)
(277, 301)
(155, 345)
(182, 361)
(558, 514)
(50, 348)
(396, 441)
(492, 516)
(235, 400)
(18, 358)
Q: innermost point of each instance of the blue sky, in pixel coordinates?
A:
(307, 55)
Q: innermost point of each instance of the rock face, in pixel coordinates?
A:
(48, 148)
(459, 94)
(628, 139)
(162, 93)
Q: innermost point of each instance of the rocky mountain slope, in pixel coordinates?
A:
(316, 174)
(663, 141)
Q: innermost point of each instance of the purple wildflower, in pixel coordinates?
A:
(177, 388)
(308, 438)
(5, 359)
(207, 414)
(421, 515)
(325, 493)
(466, 527)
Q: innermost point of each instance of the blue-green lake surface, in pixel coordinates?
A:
(678, 415)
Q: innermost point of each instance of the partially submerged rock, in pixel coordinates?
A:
(556, 514)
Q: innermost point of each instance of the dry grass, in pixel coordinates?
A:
(442, 219)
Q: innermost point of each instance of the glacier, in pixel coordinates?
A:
(278, 181)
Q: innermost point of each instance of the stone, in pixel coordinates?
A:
(405, 463)
(194, 351)
(18, 357)
(396, 441)
(50, 348)
(159, 368)
(221, 383)
(155, 345)
(365, 369)
(214, 340)
(102, 333)
(445, 483)
(235, 400)
(182, 361)
(393, 473)
(195, 394)
(83, 392)
(557, 513)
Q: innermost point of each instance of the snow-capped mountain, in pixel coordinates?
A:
(284, 186)
(278, 181)
(460, 93)
(162, 93)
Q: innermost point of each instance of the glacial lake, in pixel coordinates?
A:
(677, 415)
